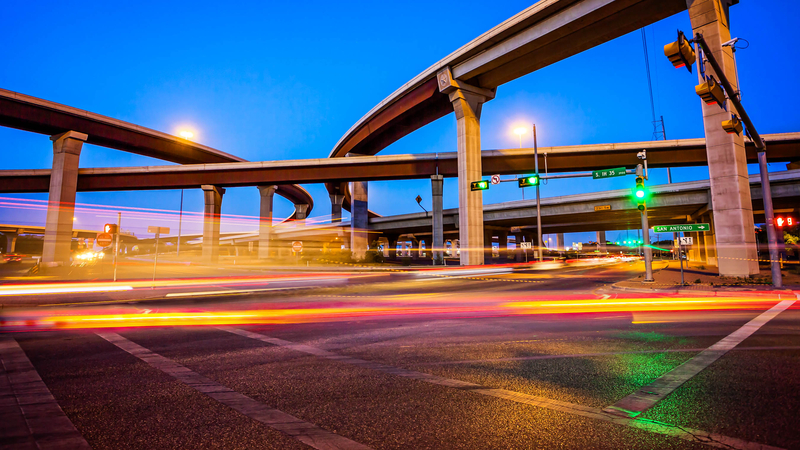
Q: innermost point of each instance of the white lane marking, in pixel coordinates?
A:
(606, 296)
(47, 425)
(689, 434)
(303, 431)
(589, 355)
(647, 396)
(232, 291)
(448, 273)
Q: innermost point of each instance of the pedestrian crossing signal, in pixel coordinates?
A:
(479, 185)
(528, 181)
(732, 126)
(110, 228)
(680, 53)
(711, 92)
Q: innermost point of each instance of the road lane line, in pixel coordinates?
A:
(301, 430)
(231, 291)
(27, 396)
(647, 396)
(688, 434)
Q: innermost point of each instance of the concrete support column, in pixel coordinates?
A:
(11, 242)
(211, 221)
(300, 214)
(467, 102)
(502, 238)
(488, 237)
(560, 242)
(437, 244)
(601, 241)
(392, 239)
(61, 201)
(520, 254)
(727, 164)
(265, 223)
(336, 207)
(359, 219)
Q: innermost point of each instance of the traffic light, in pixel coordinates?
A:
(732, 126)
(532, 180)
(110, 228)
(711, 92)
(479, 185)
(780, 222)
(680, 53)
(640, 193)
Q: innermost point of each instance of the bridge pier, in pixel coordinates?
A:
(267, 194)
(519, 252)
(300, 214)
(11, 242)
(467, 103)
(336, 207)
(61, 201)
(727, 162)
(437, 244)
(359, 219)
(601, 241)
(560, 242)
(211, 221)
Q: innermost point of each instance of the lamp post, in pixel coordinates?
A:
(519, 131)
(186, 135)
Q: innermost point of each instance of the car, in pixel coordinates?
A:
(12, 258)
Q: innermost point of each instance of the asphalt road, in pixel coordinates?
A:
(493, 358)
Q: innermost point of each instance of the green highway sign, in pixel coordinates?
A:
(688, 227)
(608, 173)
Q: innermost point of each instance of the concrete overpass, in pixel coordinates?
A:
(70, 127)
(784, 147)
(677, 203)
(545, 33)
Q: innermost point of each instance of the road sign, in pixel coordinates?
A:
(689, 227)
(608, 173)
(602, 208)
(103, 239)
(524, 245)
(297, 246)
(687, 240)
(495, 179)
(158, 230)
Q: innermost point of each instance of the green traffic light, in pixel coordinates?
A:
(640, 193)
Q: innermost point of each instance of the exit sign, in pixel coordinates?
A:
(608, 173)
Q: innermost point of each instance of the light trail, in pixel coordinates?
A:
(375, 307)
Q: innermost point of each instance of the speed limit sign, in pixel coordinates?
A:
(495, 179)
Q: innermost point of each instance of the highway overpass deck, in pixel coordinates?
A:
(784, 147)
(669, 204)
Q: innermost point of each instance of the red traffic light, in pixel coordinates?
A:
(711, 92)
(680, 53)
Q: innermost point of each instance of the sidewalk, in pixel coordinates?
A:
(699, 277)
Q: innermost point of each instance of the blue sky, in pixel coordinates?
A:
(284, 80)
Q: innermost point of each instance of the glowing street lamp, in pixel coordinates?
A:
(519, 131)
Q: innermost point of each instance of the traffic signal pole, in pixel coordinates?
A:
(777, 277)
(648, 252)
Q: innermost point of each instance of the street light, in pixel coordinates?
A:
(519, 131)
(186, 134)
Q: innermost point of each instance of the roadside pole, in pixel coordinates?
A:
(155, 261)
(648, 252)
(538, 198)
(116, 244)
(680, 257)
